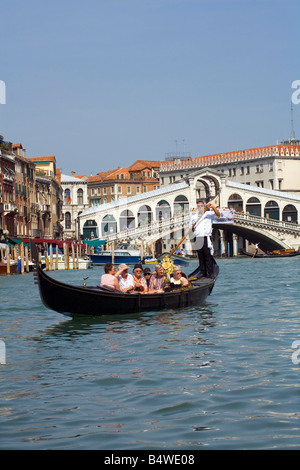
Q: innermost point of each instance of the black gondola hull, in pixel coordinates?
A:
(79, 300)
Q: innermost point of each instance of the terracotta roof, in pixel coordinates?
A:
(248, 153)
(47, 158)
(141, 164)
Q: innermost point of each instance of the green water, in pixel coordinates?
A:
(220, 376)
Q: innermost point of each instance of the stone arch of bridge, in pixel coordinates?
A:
(268, 240)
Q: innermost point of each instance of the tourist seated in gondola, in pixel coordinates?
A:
(109, 279)
(140, 284)
(178, 279)
(157, 282)
(147, 277)
(125, 279)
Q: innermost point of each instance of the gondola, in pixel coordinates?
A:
(273, 254)
(96, 301)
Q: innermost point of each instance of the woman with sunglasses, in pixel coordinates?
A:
(140, 284)
(178, 280)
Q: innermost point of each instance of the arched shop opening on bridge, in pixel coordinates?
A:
(290, 214)
(271, 210)
(144, 216)
(163, 210)
(90, 229)
(108, 225)
(235, 202)
(127, 220)
(181, 205)
(253, 206)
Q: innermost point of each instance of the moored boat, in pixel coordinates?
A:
(273, 254)
(85, 300)
(120, 255)
(13, 267)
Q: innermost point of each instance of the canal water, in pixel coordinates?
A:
(224, 375)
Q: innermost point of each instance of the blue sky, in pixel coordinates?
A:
(102, 83)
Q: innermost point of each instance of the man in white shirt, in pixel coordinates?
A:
(202, 233)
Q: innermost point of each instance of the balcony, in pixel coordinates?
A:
(9, 207)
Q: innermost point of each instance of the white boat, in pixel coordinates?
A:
(83, 262)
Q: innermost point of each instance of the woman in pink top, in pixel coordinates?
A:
(109, 279)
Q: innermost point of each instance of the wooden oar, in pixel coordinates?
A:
(183, 238)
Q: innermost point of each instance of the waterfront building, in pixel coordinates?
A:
(109, 186)
(75, 201)
(46, 210)
(8, 207)
(24, 191)
(273, 167)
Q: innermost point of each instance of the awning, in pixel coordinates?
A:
(94, 243)
(59, 243)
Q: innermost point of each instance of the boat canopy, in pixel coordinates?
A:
(94, 243)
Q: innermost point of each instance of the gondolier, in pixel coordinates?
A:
(202, 232)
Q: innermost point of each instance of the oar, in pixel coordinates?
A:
(183, 238)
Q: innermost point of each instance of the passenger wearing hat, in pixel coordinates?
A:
(140, 284)
(125, 279)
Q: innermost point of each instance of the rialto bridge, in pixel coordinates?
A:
(157, 220)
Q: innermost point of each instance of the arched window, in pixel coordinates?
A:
(79, 196)
(271, 210)
(67, 196)
(235, 202)
(290, 214)
(144, 215)
(253, 206)
(90, 229)
(67, 220)
(163, 210)
(108, 225)
(126, 220)
(181, 205)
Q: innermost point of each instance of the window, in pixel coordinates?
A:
(67, 220)
(104, 190)
(112, 190)
(242, 170)
(271, 166)
(79, 196)
(248, 170)
(128, 189)
(137, 189)
(122, 176)
(67, 197)
(119, 189)
(99, 190)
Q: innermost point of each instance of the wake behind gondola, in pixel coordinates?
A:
(84, 300)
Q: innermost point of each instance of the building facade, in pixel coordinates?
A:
(109, 186)
(8, 207)
(275, 167)
(75, 201)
